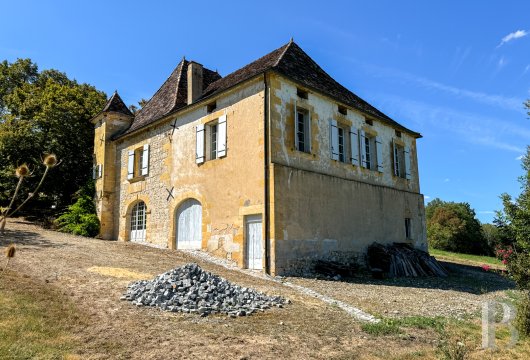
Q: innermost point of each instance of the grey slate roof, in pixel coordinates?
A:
(116, 104)
(289, 60)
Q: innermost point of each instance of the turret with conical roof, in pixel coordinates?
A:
(115, 118)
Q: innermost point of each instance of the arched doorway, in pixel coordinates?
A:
(138, 222)
(189, 225)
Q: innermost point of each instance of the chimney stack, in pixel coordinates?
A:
(194, 81)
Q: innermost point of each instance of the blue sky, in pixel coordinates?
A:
(456, 71)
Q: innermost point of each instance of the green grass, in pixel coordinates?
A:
(388, 326)
(466, 258)
(34, 320)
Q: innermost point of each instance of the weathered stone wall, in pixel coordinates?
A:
(322, 109)
(323, 216)
(323, 208)
(106, 124)
(228, 188)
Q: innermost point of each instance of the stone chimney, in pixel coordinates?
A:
(194, 81)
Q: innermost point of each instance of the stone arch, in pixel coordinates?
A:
(180, 199)
(126, 235)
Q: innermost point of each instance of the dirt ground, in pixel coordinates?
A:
(93, 274)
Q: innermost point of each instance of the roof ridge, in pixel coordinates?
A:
(287, 46)
(160, 88)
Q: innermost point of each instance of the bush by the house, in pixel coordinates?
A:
(453, 227)
(80, 218)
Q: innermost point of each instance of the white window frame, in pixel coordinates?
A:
(138, 162)
(304, 130)
(211, 140)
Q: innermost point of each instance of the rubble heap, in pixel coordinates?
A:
(190, 289)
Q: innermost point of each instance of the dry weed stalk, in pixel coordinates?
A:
(22, 172)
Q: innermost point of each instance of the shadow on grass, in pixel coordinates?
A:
(462, 278)
(27, 238)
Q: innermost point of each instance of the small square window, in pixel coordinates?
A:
(343, 110)
(369, 122)
(211, 107)
(301, 93)
(398, 133)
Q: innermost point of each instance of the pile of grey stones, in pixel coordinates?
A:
(190, 289)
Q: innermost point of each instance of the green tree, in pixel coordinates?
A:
(46, 112)
(454, 227)
(514, 223)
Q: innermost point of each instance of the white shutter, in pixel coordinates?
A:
(145, 160)
(199, 145)
(334, 139)
(221, 136)
(395, 156)
(379, 150)
(307, 132)
(295, 127)
(100, 170)
(407, 163)
(354, 145)
(94, 172)
(130, 165)
(363, 148)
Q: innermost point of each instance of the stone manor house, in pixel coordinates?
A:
(271, 166)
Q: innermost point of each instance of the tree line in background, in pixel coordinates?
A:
(44, 112)
(453, 226)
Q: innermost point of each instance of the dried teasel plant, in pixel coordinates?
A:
(10, 254)
(23, 171)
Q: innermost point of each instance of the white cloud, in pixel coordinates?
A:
(447, 180)
(510, 103)
(469, 127)
(486, 212)
(502, 62)
(519, 158)
(512, 36)
(526, 69)
(426, 197)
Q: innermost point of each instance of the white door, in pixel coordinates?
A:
(138, 222)
(189, 225)
(254, 240)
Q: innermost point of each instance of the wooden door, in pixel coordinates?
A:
(189, 225)
(254, 242)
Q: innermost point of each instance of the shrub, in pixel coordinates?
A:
(453, 227)
(80, 218)
(522, 319)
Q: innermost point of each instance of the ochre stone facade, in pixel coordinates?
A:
(311, 206)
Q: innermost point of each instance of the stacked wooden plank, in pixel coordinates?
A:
(402, 260)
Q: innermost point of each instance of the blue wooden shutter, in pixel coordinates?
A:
(407, 163)
(334, 139)
(379, 151)
(354, 146)
(363, 148)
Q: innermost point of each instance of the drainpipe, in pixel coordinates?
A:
(267, 177)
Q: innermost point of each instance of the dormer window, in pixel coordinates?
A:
(302, 94)
(211, 107)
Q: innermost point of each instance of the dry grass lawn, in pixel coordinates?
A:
(60, 299)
